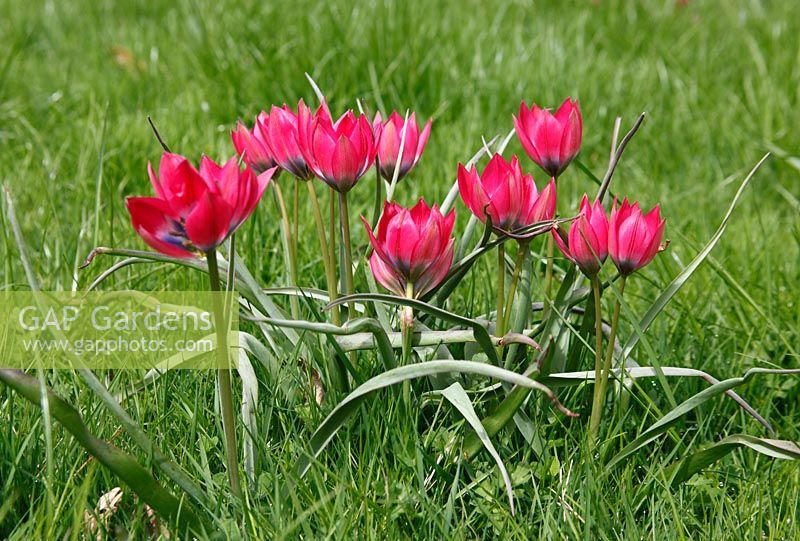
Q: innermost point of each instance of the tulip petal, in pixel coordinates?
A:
(209, 222)
(151, 220)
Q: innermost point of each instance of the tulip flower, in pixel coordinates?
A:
(509, 197)
(280, 130)
(551, 140)
(338, 152)
(195, 211)
(252, 145)
(586, 244)
(633, 238)
(389, 136)
(413, 249)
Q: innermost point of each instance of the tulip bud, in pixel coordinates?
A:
(252, 146)
(389, 136)
(195, 211)
(634, 238)
(280, 129)
(586, 243)
(551, 140)
(509, 198)
(412, 247)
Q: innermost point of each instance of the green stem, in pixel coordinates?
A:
(290, 258)
(512, 290)
(330, 268)
(295, 224)
(520, 309)
(603, 383)
(333, 228)
(501, 294)
(594, 423)
(548, 276)
(224, 375)
(376, 211)
(344, 221)
(407, 325)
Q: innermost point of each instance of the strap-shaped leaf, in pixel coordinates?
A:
(685, 468)
(456, 395)
(334, 421)
(481, 334)
(663, 424)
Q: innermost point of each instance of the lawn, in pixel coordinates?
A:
(720, 85)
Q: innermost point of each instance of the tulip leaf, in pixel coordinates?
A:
(671, 418)
(117, 461)
(681, 279)
(566, 379)
(686, 467)
(354, 326)
(481, 334)
(456, 395)
(348, 406)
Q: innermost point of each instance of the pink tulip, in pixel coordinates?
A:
(389, 135)
(509, 197)
(280, 129)
(194, 212)
(587, 242)
(252, 145)
(634, 239)
(552, 141)
(337, 152)
(413, 247)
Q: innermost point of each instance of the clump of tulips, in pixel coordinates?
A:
(418, 257)
(412, 249)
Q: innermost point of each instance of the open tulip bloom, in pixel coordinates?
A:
(389, 136)
(413, 248)
(634, 238)
(586, 244)
(509, 197)
(551, 140)
(337, 152)
(195, 211)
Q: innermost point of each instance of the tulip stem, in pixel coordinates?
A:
(333, 228)
(407, 325)
(344, 220)
(594, 423)
(501, 298)
(512, 290)
(602, 384)
(224, 375)
(548, 276)
(376, 212)
(295, 224)
(330, 270)
(290, 258)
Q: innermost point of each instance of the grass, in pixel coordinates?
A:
(719, 83)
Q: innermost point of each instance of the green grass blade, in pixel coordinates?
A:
(117, 461)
